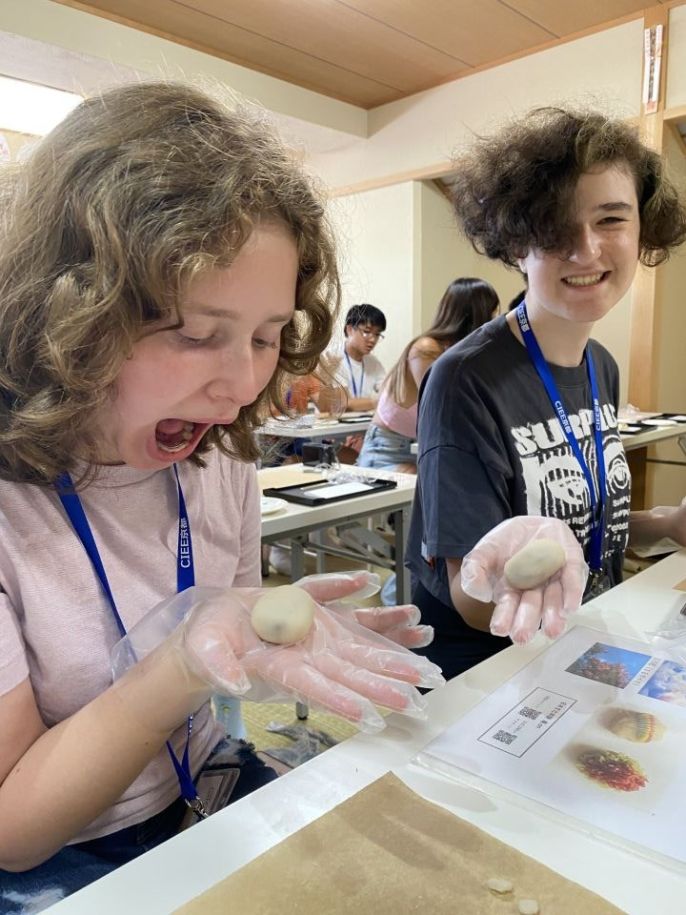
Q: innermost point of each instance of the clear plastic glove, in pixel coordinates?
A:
(340, 666)
(676, 521)
(517, 613)
(400, 624)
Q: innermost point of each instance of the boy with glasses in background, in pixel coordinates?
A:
(355, 368)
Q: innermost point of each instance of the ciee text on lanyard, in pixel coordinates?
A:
(598, 498)
(185, 578)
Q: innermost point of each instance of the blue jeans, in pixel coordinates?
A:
(75, 866)
(383, 448)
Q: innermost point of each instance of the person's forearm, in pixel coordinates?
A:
(648, 527)
(362, 403)
(77, 769)
(474, 612)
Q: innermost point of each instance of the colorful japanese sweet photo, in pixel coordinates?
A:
(608, 664)
(625, 755)
(634, 726)
(668, 684)
(614, 770)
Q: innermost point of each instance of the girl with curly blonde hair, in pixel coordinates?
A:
(163, 265)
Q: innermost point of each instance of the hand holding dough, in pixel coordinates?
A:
(526, 599)
(534, 564)
(283, 615)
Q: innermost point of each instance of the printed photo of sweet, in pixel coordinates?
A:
(612, 769)
(668, 684)
(639, 727)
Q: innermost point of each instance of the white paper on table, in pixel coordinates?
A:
(528, 736)
(660, 548)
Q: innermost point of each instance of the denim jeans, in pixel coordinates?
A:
(383, 448)
(75, 866)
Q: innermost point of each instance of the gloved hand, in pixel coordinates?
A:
(341, 591)
(520, 613)
(339, 666)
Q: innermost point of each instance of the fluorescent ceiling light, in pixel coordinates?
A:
(30, 108)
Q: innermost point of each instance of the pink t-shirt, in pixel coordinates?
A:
(56, 626)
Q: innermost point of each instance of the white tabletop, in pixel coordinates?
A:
(651, 436)
(284, 427)
(296, 518)
(636, 440)
(170, 875)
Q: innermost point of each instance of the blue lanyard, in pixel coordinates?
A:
(597, 499)
(185, 578)
(357, 392)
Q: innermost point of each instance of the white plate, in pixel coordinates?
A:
(660, 422)
(269, 506)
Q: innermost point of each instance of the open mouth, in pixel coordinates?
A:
(175, 438)
(583, 282)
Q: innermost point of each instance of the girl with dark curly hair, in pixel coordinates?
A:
(163, 264)
(518, 423)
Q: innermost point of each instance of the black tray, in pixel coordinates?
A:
(323, 492)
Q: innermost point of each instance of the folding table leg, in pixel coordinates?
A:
(401, 518)
(297, 571)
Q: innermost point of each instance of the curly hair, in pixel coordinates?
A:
(513, 191)
(102, 229)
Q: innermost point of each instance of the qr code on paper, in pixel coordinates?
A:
(530, 713)
(504, 737)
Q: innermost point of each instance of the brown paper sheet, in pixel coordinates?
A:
(386, 851)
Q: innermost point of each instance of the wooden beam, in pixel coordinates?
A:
(643, 338)
(426, 173)
(674, 115)
(443, 189)
(679, 138)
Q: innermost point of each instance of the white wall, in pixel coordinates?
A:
(676, 71)
(377, 239)
(667, 481)
(438, 256)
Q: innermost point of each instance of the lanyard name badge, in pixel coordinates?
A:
(357, 391)
(598, 499)
(185, 578)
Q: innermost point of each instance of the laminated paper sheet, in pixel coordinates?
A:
(386, 851)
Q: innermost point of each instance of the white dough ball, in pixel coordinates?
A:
(534, 564)
(283, 615)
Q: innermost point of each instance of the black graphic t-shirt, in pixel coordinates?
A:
(491, 447)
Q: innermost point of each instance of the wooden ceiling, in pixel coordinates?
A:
(366, 52)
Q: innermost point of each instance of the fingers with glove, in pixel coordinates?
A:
(523, 605)
(339, 665)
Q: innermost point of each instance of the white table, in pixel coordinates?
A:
(636, 446)
(652, 436)
(170, 875)
(320, 428)
(631, 442)
(295, 522)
